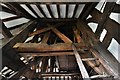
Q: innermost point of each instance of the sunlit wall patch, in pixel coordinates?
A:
(93, 26)
(102, 36)
(114, 48)
(115, 16)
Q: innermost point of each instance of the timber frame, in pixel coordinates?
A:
(56, 48)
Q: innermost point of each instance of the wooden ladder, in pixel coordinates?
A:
(83, 70)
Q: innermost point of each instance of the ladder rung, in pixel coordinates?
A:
(89, 59)
(100, 76)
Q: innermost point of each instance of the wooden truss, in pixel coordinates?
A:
(45, 48)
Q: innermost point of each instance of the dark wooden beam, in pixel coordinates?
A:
(21, 37)
(7, 61)
(111, 63)
(52, 63)
(41, 10)
(82, 68)
(50, 11)
(75, 10)
(11, 18)
(67, 9)
(107, 11)
(6, 10)
(107, 40)
(12, 8)
(87, 9)
(41, 48)
(61, 35)
(40, 31)
(47, 54)
(43, 30)
(44, 64)
(26, 68)
(46, 37)
(96, 17)
(5, 30)
(77, 34)
(32, 10)
(116, 8)
(58, 10)
(7, 49)
(21, 10)
(95, 65)
(102, 61)
(57, 20)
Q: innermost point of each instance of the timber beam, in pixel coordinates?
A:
(105, 57)
(5, 30)
(87, 9)
(107, 11)
(82, 68)
(116, 9)
(7, 49)
(96, 17)
(18, 8)
(26, 68)
(41, 48)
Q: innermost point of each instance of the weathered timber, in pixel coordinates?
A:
(5, 30)
(46, 37)
(102, 61)
(43, 30)
(103, 54)
(44, 64)
(94, 65)
(7, 49)
(67, 9)
(61, 35)
(116, 8)
(59, 47)
(48, 54)
(107, 40)
(11, 8)
(96, 16)
(52, 62)
(29, 74)
(82, 68)
(108, 8)
(87, 9)
(21, 37)
(89, 59)
(77, 35)
(58, 10)
(7, 61)
(21, 10)
(26, 68)
(6, 10)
